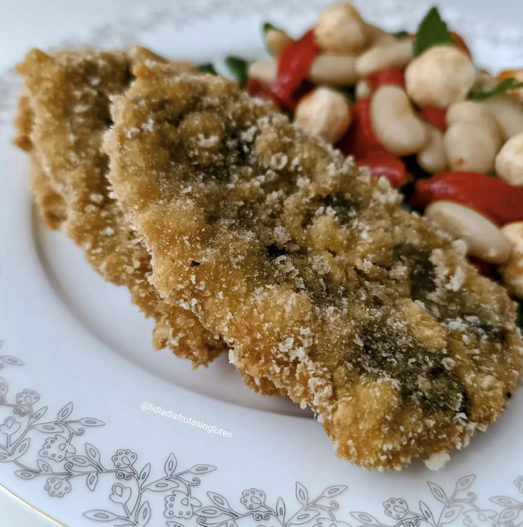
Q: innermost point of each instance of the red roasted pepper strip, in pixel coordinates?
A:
(361, 141)
(386, 78)
(388, 166)
(293, 68)
(490, 196)
(435, 116)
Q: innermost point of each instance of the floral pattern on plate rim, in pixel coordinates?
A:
(61, 460)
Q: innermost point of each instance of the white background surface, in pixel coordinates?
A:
(28, 23)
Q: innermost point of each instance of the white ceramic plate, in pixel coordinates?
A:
(79, 437)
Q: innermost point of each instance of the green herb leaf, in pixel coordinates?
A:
(238, 69)
(479, 94)
(400, 34)
(208, 67)
(268, 26)
(432, 31)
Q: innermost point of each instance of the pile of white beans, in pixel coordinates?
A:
(481, 136)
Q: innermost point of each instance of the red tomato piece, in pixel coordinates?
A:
(435, 116)
(386, 78)
(388, 166)
(361, 141)
(262, 90)
(293, 69)
(490, 196)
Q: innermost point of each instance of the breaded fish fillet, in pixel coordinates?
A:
(49, 202)
(61, 120)
(311, 272)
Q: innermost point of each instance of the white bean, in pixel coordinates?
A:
(378, 36)
(439, 77)
(514, 234)
(433, 157)
(508, 112)
(474, 113)
(482, 237)
(264, 70)
(396, 125)
(340, 29)
(363, 90)
(277, 41)
(324, 112)
(334, 70)
(509, 161)
(470, 148)
(512, 270)
(392, 54)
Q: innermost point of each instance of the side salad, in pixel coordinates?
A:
(415, 109)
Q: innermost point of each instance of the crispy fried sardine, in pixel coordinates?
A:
(61, 121)
(311, 272)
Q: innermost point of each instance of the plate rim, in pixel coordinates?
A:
(201, 10)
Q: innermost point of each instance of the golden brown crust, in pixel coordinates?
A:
(310, 270)
(261, 385)
(65, 115)
(50, 204)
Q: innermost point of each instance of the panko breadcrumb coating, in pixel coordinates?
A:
(309, 269)
(62, 117)
(49, 202)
